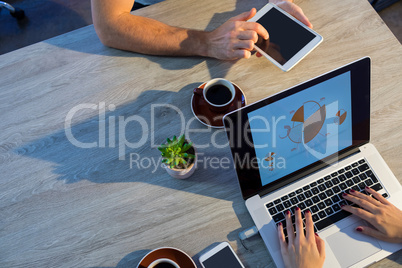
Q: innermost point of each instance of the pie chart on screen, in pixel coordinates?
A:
(309, 119)
(340, 117)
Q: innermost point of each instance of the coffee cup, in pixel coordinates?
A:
(219, 93)
(163, 263)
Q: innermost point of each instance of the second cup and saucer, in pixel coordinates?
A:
(213, 99)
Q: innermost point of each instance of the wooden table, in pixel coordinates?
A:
(66, 206)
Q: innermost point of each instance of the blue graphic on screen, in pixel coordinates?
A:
(303, 128)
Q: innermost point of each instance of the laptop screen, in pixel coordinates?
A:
(298, 131)
(303, 128)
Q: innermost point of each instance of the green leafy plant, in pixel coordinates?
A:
(174, 152)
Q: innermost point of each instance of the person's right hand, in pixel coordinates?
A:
(379, 212)
(235, 38)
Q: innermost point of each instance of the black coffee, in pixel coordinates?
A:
(164, 265)
(218, 94)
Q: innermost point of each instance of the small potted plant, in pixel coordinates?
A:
(179, 157)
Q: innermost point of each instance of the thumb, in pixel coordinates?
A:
(320, 245)
(245, 16)
(371, 232)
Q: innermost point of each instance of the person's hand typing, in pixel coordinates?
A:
(303, 250)
(235, 38)
(385, 218)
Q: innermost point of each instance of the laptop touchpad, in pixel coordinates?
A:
(350, 246)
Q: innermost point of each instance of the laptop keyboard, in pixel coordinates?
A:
(323, 197)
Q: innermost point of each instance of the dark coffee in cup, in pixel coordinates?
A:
(164, 265)
(219, 94)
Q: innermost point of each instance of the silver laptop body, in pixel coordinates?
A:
(316, 115)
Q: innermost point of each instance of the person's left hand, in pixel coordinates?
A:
(303, 250)
(293, 10)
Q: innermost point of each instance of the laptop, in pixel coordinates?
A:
(304, 147)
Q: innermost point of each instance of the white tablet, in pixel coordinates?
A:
(289, 39)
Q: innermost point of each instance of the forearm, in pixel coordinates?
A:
(148, 36)
(118, 28)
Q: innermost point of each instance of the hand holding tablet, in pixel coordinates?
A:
(289, 39)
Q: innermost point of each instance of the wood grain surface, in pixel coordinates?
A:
(66, 206)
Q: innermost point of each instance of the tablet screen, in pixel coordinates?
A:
(286, 37)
